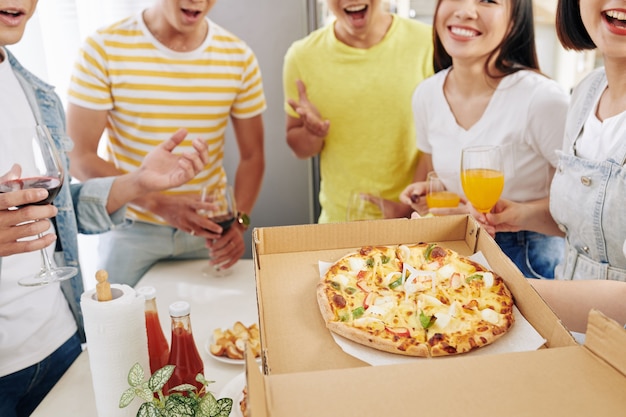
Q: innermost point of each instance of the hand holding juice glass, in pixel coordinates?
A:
(437, 195)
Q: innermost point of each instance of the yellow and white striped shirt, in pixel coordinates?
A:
(151, 91)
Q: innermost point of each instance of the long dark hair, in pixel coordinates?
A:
(515, 52)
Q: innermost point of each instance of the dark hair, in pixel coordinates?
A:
(515, 52)
(570, 28)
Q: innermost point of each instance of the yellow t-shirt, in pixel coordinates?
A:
(366, 95)
(151, 91)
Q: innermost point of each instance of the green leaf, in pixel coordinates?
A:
(385, 259)
(127, 397)
(208, 405)
(144, 392)
(135, 375)
(429, 250)
(427, 321)
(370, 262)
(178, 405)
(358, 312)
(226, 405)
(183, 388)
(148, 410)
(160, 377)
(473, 277)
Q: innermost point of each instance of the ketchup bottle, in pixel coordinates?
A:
(184, 354)
(158, 348)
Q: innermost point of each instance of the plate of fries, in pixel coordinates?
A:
(229, 345)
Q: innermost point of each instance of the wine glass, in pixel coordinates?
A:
(482, 176)
(438, 195)
(223, 211)
(362, 206)
(30, 160)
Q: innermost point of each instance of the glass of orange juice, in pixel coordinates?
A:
(482, 176)
(438, 196)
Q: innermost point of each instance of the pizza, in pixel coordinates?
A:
(418, 300)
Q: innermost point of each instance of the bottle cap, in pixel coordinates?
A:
(180, 309)
(147, 292)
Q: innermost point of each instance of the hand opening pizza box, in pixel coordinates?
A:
(295, 338)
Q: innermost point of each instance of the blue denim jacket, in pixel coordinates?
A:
(81, 207)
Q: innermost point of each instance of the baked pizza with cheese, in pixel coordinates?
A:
(417, 300)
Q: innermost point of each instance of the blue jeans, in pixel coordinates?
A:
(535, 254)
(22, 391)
(127, 253)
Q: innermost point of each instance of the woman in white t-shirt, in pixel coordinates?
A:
(488, 90)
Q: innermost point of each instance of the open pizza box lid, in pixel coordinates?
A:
(299, 352)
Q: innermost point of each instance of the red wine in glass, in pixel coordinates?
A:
(31, 160)
(53, 185)
(223, 211)
(225, 221)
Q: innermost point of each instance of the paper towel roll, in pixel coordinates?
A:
(116, 340)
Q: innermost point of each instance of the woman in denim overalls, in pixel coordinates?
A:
(588, 197)
(588, 194)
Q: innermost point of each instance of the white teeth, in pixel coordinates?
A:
(463, 32)
(616, 15)
(355, 8)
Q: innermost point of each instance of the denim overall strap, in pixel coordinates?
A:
(587, 201)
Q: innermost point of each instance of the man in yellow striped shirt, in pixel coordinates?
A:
(142, 79)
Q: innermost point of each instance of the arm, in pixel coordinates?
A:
(572, 300)
(85, 127)
(305, 134)
(249, 175)
(228, 248)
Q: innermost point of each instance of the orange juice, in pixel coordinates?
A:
(482, 187)
(440, 199)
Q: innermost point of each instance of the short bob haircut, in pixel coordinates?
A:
(569, 27)
(515, 52)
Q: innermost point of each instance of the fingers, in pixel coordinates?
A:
(22, 198)
(12, 239)
(175, 140)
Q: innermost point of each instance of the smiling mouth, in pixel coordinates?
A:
(191, 13)
(11, 13)
(356, 11)
(616, 18)
(466, 33)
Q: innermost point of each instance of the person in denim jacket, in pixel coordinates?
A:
(41, 328)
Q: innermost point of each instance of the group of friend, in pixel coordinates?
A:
(381, 99)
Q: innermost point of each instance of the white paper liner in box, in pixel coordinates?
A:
(521, 337)
(116, 340)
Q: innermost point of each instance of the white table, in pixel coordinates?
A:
(215, 302)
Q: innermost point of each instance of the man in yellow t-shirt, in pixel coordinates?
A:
(142, 79)
(348, 89)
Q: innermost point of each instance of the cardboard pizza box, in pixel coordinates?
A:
(302, 363)
(579, 380)
(293, 333)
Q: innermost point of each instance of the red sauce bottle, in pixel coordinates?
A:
(184, 354)
(158, 348)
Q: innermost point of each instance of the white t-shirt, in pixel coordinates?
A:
(34, 321)
(599, 137)
(525, 116)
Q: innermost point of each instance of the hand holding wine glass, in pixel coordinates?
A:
(222, 210)
(29, 160)
(365, 206)
(482, 176)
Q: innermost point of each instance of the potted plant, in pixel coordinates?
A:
(182, 401)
